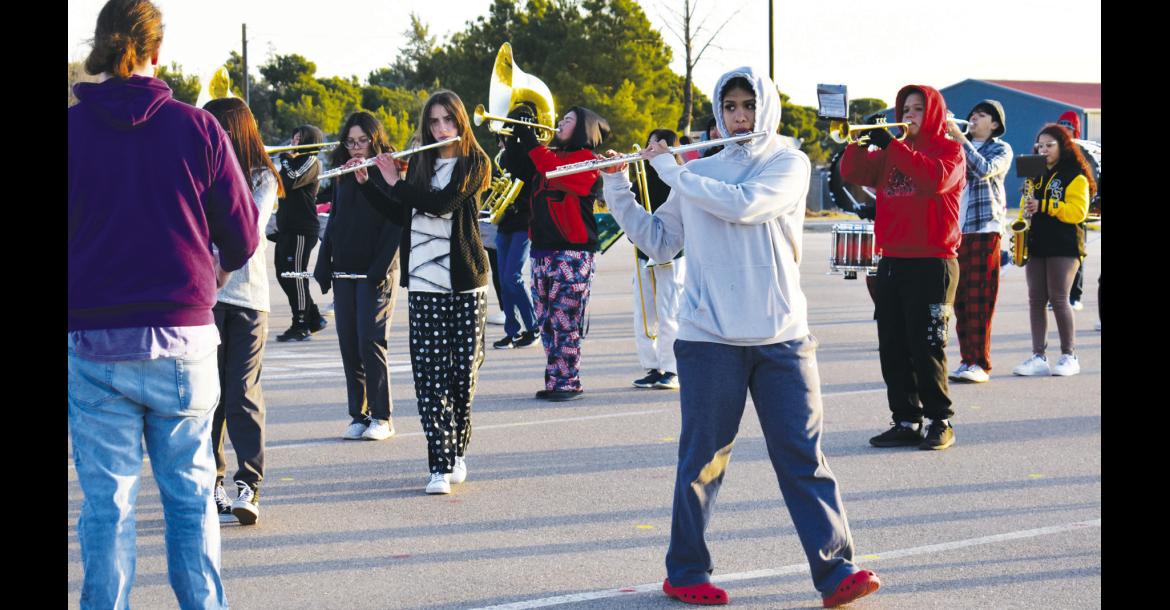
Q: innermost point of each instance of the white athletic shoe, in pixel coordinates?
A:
(459, 472)
(379, 430)
(956, 374)
(354, 431)
(1076, 305)
(1067, 365)
(438, 484)
(975, 374)
(1036, 366)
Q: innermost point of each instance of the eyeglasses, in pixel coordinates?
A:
(1044, 145)
(1065, 124)
(361, 142)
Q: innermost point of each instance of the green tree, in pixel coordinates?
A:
(404, 72)
(863, 107)
(185, 88)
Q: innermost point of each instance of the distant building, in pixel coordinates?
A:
(1029, 106)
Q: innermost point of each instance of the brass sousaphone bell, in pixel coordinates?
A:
(511, 88)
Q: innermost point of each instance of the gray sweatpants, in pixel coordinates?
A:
(786, 389)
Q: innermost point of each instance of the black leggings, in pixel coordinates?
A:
(292, 254)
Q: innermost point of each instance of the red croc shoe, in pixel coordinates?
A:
(704, 594)
(856, 585)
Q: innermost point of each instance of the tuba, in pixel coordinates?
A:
(1020, 229)
(512, 88)
(217, 85)
(502, 192)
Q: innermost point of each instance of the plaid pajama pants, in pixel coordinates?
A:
(975, 296)
(560, 291)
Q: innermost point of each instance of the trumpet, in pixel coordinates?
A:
(964, 123)
(333, 173)
(504, 191)
(1020, 229)
(843, 133)
(301, 149)
(482, 115)
(585, 166)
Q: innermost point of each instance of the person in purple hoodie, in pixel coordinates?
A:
(153, 184)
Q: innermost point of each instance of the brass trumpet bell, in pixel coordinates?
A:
(511, 88)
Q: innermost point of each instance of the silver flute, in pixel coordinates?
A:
(333, 173)
(308, 275)
(586, 166)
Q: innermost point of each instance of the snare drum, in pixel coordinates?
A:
(853, 249)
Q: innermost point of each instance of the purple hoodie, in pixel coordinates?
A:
(153, 182)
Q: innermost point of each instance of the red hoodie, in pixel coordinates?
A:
(918, 184)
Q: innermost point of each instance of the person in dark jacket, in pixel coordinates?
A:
(513, 247)
(153, 185)
(361, 242)
(297, 228)
(564, 240)
(447, 275)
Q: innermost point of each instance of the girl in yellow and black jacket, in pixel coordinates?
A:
(1056, 206)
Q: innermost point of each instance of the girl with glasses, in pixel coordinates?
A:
(447, 275)
(362, 242)
(1056, 243)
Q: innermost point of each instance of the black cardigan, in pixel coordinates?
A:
(469, 262)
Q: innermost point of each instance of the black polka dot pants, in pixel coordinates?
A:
(446, 351)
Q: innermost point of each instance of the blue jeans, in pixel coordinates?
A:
(512, 252)
(112, 405)
(786, 389)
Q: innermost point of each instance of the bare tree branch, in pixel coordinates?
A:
(713, 36)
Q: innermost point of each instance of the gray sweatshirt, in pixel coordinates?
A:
(739, 215)
(248, 286)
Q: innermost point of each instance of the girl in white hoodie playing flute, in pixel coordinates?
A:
(742, 327)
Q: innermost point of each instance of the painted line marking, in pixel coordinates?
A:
(798, 568)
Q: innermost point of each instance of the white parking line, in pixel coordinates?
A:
(795, 569)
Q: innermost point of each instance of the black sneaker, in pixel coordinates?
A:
(505, 343)
(526, 338)
(668, 381)
(939, 435)
(296, 332)
(222, 505)
(902, 434)
(315, 321)
(246, 508)
(651, 378)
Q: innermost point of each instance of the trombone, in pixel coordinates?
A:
(333, 173)
(639, 168)
(843, 133)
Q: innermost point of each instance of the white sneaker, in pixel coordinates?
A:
(496, 318)
(1076, 305)
(1036, 366)
(354, 431)
(378, 430)
(957, 373)
(1067, 365)
(438, 484)
(459, 472)
(975, 374)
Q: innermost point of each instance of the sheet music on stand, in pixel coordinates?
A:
(832, 102)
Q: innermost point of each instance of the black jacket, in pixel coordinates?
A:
(297, 212)
(357, 239)
(469, 262)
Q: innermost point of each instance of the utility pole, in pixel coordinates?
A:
(247, 96)
(771, 42)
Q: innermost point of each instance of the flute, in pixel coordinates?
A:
(584, 166)
(333, 173)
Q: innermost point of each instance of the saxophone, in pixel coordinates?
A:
(1020, 229)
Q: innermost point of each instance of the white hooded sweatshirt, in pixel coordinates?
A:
(740, 215)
